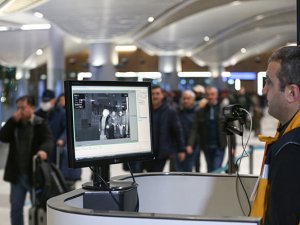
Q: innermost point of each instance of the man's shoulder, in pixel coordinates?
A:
(295, 134)
(286, 141)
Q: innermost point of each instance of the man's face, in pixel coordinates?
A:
(275, 97)
(157, 96)
(212, 95)
(26, 111)
(187, 101)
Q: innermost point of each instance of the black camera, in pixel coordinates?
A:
(234, 112)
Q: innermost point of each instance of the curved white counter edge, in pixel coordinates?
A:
(162, 201)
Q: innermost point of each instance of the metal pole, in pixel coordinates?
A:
(251, 159)
(230, 155)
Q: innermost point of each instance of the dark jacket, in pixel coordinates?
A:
(41, 140)
(283, 207)
(187, 118)
(200, 129)
(56, 121)
(168, 131)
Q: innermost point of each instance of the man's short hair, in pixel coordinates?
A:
(289, 58)
(210, 87)
(27, 98)
(190, 93)
(155, 87)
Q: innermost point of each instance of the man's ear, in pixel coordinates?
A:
(293, 93)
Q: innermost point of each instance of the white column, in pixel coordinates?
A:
(22, 76)
(102, 59)
(169, 66)
(56, 60)
(217, 79)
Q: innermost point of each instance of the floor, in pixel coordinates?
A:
(268, 128)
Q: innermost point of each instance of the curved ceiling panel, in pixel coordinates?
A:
(179, 28)
(106, 20)
(254, 42)
(187, 35)
(17, 46)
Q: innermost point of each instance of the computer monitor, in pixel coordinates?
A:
(108, 122)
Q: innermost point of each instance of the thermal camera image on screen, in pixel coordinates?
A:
(104, 116)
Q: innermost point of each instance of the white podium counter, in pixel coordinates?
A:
(166, 198)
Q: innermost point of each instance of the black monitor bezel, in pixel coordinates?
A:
(98, 161)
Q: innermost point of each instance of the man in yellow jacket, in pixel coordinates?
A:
(278, 195)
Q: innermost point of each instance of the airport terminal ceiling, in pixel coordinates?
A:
(214, 32)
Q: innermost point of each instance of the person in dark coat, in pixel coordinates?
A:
(168, 138)
(187, 114)
(208, 130)
(27, 135)
(55, 116)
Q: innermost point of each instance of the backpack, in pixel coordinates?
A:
(48, 182)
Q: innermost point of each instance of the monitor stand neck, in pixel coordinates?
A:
(100, 178)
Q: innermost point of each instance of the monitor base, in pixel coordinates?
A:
(120, 196)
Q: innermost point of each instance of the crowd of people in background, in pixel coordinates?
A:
(184, 124)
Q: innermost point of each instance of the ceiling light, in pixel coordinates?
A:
(233, 61)
(235, 3)
(260, 82)
(206, 38)
(243, 50)
(38, 15)
(45, 26)
(39, 52)
(3, 99)
(82, 75)
(150, 19)
(237, 84)
(194, 74)
(125, 48)
(259, 17)
(3, 28)
(43, 77)
(291, 44)
(188, 54)
(226, 74)
(19, 75)
(12, 6)
(149, 75)
(126, 74)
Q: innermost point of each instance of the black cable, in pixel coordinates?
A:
(238, 164)
(98, 177)
(128, 164)
(137, 193)
(238, 178)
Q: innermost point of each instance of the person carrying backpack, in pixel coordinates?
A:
(27, 135)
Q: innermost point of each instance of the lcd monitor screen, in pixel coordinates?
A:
(108, 122)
